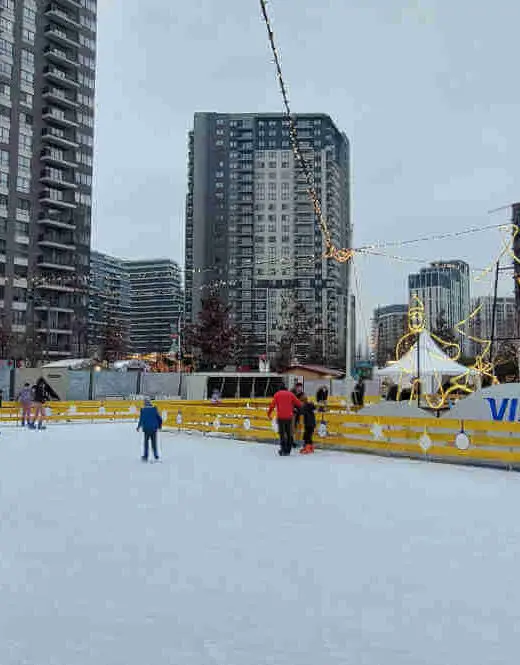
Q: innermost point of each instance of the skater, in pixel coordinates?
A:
(284, 402)
(322, 395)
(25, 399)
(150, 422)
(299, 393)
(42, 393)
(309, 425)
(358, 396)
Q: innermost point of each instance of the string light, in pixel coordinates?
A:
(341, 255)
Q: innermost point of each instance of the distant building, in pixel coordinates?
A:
(142, 299)
(155, 289)
(109, 301)
(516, 264)
(389, 324)
(443, 288)
(251, 229)
(482, 323)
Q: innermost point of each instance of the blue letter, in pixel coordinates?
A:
(512, 410)
(493, 406)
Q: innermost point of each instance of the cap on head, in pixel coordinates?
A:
(147, 401)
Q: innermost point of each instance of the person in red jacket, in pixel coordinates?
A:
(284, 402)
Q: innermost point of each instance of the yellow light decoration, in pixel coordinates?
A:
(460, 383)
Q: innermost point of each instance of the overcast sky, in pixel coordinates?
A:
(426, 91)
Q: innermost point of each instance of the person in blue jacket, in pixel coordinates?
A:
(150, 422)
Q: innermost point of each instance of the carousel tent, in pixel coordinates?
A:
(427, 360)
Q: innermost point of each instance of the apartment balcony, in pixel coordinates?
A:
(49, 178)
(59, 76)
(54, 308)
(62, 17)
(57, 241)
(57, 222)
(58, 96)
(60, 117)
(69, 4)
(61, 36)
(55, 262)
(61, 57)
(50, 156)
(59, 137)
(46, 198)
(54, 331)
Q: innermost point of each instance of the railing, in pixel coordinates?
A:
(434, 439)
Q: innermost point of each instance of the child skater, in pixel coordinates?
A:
(309, 425)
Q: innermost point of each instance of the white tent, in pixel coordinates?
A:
(425, 360)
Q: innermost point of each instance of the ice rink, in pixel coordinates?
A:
(227, 554)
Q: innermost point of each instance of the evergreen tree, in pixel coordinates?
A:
(213, 338)
(114, 345)
(296, 339)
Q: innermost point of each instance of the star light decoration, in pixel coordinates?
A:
(425, 442)
(459, 383)
(377, 432)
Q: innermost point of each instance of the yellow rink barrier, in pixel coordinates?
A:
(466, 442)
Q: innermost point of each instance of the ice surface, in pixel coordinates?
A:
(228, 554)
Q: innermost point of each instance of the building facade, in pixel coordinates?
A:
(516, 264)
(156, 304)
(481, 324)
(109, 301)
(389, 324)
(141, 300)
(47, 80)
(443, 288)
(251, 231)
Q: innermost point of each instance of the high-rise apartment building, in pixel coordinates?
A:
(109, 300)
(389, 325)
(47, 79)
(156, 304)
(142, 300)
(251, 230)
(516, 264)
(443, 288)
(481, 324)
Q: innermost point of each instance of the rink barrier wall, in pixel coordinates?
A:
(466, 442)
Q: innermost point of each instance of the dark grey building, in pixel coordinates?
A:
(251, 230)
(141, 300)
(109, 301)
(516, 263)
(389, 325)
(47, 79)
(156, 304)
(443, 288)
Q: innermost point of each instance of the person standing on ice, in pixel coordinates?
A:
(25, 398)
(309, 425)
(42, 393)
(150, 422)
(285, 403)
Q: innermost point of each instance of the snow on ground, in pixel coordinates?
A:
(227, 554)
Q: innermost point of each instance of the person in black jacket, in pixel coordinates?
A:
(42, 393)
(309, 425)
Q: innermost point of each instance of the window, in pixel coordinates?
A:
(27, 77)
(23, 184)
(4, 179)
(24, 163)
(28, 35)
(4, 159)
(6, 48)
(6, 68)
(26, 98)
(25, 142)
(27, 60)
